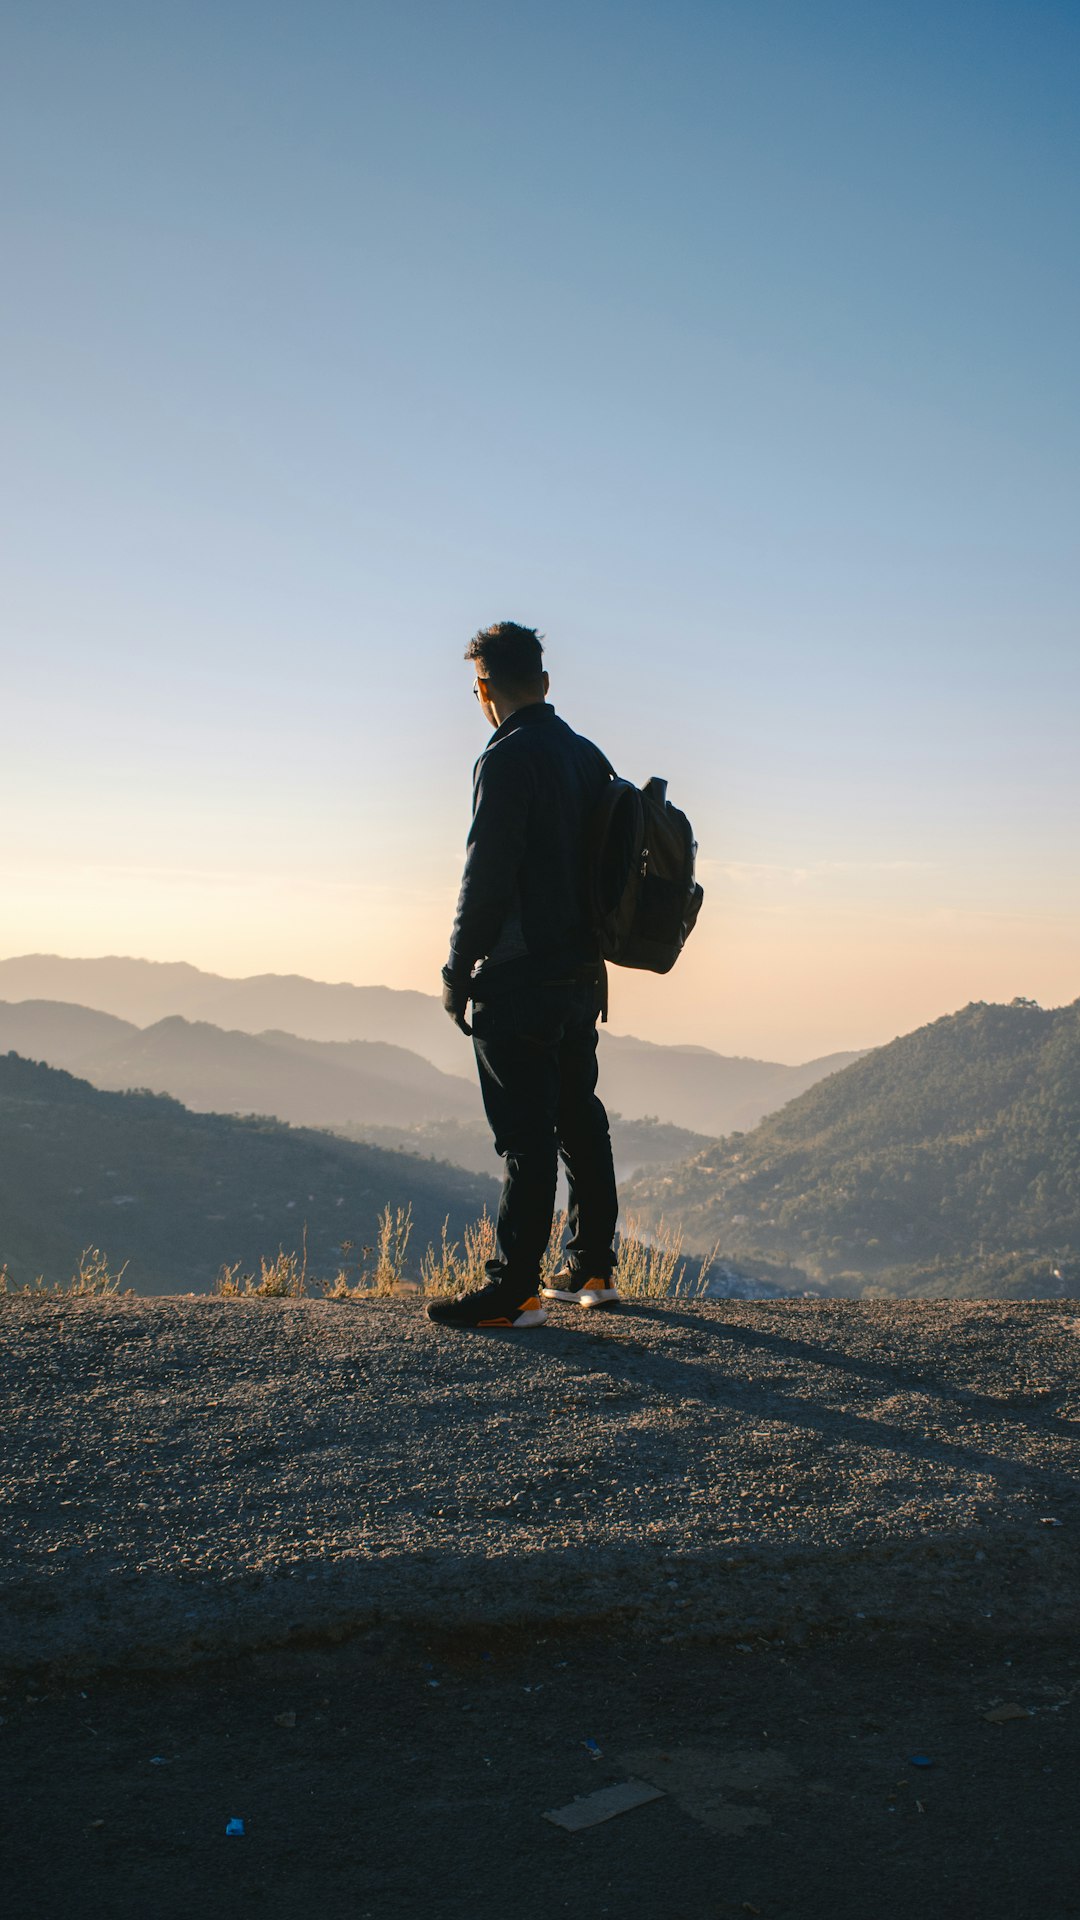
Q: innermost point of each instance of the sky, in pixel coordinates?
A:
(733, 345)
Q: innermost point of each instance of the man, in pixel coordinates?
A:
(523, 951)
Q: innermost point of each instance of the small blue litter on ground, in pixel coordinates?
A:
(920, 1760)
(593, 1751)
(235, 1826)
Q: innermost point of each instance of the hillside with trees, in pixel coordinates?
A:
(178, 1194)
(944, 1164)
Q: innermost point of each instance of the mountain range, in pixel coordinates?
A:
(685, 1086)
(946, 1163)
(145, 991)
(308, 1082)
(179, 1194)
(365, 1089)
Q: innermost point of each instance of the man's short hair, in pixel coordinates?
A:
(510, 656)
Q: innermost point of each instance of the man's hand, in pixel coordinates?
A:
(455, 1000)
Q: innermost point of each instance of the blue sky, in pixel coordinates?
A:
(732, 345)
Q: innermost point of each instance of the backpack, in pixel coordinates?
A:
(643, 895)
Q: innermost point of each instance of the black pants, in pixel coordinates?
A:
(535, 1051)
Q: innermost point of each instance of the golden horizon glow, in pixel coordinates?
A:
(774, 970)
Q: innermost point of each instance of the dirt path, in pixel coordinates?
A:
(183, 1476)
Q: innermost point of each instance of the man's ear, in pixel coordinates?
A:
(547, 682)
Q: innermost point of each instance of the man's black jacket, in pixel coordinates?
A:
(523, 906)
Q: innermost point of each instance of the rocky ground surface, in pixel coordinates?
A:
(183, 1476)
(387, 1594)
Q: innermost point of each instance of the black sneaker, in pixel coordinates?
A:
(495, 1305)
(583, 1292)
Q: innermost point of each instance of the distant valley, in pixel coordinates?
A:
(634, 1143)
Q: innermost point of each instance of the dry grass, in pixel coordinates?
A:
(93, 1278)
(650, 1268)
(282, 1278)
(391, 1245)
(446, 1270)
(654, 1269)
(285, 1277)
(387, 1276)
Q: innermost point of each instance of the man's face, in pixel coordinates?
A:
(482, 691)
(496, 707)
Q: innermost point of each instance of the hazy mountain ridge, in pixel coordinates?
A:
(945, 1162)
(693, 1087)
(363, 1089)
(60, 1033)
(211, 1069)
(179, 1193)
(686, 1086)
(146, 991)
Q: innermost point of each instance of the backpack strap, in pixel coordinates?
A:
(612, 775)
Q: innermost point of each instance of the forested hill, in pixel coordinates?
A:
(178, 1194)
(945, 1163)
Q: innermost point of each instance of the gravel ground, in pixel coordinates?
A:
(182, 1477)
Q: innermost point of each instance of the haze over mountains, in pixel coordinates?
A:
(711, 1093)
(947, 1163)
(686, 1086)
(145, 991)
(308, 1082)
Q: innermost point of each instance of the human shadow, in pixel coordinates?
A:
(898, 1376)
(645, 1367)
